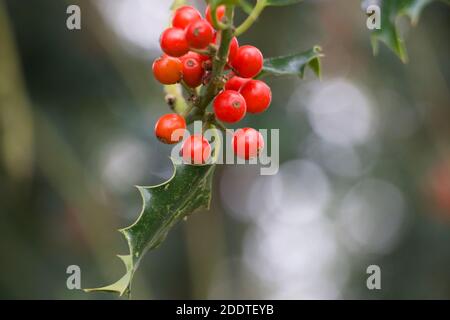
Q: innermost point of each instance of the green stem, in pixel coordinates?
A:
(219, 62)
(218, 25)
(259, 7)
(192, 114)
(189, 90)
(219, 125)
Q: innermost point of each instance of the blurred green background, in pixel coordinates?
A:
(364, 176)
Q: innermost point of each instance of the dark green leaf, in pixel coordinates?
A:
(391, 10)
(164, 205)
(294, 64)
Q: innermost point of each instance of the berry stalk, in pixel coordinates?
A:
(259, 7)
(219, 62)
(218, 25)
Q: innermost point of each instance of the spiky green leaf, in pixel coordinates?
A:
(294, 64)
(389, 34)
(164, 205)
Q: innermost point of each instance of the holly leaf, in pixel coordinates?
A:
(294, 64)
(164, 205)
(389, 34)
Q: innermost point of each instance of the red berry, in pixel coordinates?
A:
(167, 70)
(194, 55)
(235, 83)
(196, 149)
(247, 143)
(257, 96)
(189, 55)
(220, 13)
(173, 42)
(199, 34)
(166, 126)
(234, 47)
(184, 16)
(192, 72)
(229, 106)
(248, 61)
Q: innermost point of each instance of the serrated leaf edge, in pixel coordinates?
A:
(123, 285)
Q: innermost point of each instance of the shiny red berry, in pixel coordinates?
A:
(229, 106)
(247, 143)
(257, 96)
(194, 55)
(220, 13)
(234, 47)
(167, 125)
(167, 70)
(199, 34)
(189, 55)
(248, 61)
(236, 83)
(192, 72)
(173, 42)
(184, 15)
(196, 149)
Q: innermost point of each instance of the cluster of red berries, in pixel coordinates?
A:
(185, 59)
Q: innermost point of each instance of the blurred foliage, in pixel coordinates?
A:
(389, 33)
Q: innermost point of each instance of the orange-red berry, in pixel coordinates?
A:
(193, 72)
(167, 70)
(166, 126)
(173, 42)
(199, 34)
(185, 15)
